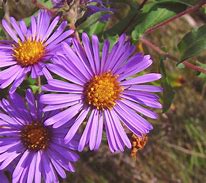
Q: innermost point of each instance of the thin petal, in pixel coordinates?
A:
(142, 79)
(76, 125)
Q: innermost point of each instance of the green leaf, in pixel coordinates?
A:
(185, 2)
(168, 92)
(34, 88)
(4, 93)
(46, 3)
(125, 17)
(91, 20)
(27, 21)
(2, 34)
(153, 14)
(1, 13)
(193, 43)
(121, 25)
(96, 29)
(202, 75)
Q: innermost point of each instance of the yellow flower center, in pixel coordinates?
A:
(35, 136)
(103, 90)
(28, 52)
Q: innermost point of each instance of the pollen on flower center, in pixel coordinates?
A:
(28, 52)
(103, 90)
(35, 136)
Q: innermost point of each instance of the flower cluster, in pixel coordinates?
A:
(96, 91)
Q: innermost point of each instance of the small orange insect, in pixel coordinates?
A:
(138, 143)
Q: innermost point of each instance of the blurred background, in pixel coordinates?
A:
(176, 148)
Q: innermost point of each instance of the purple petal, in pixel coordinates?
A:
(32, 169)
(73, 59)
(64, 116)
(57, 33)
(38, 168)
(9, 31)
(17, 28)
(51, 28)
(31, 103)
(135, 65)
(142, 79)
(120, 129)
(86, 134)
(95, 46)
(72, 131)
(146, 88)
(94, 130)
(141, 109)
(110, 134)
(63, 73)
(87, 47)
(99, 132)
(105, 52)
(59, 98)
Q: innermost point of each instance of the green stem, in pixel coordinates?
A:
(39, 84)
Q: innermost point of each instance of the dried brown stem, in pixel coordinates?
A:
(170, 56)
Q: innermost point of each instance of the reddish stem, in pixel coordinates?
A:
(170, 56)
(187, 11)
(142, 4)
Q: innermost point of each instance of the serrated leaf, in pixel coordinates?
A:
(168, 92)
(192, 44)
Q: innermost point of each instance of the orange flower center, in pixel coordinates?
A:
(35, 136)
(103, 90)
(28, 52)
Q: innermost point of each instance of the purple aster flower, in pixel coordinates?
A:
(103, 91)
(39, 150)
(30, 49)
